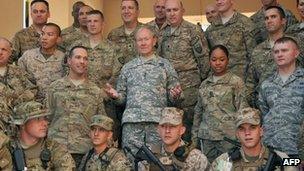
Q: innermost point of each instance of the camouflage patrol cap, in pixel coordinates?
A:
(28, 110)
(248, 115)
(102, 121)
(171, 115)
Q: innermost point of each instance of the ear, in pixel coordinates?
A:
(237, 134)
(110, 135)
(59, 40)
(69, 61)
(182, 130)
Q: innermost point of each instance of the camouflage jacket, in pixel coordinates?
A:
(261, 67)
(282, 107)
(155, 28)
(125, 42)
(6, 163)
(217, 106)
(186, 48)
(224, 163)
(42, 71)
(23, 40)
(297, 32)
(103, 64)
(238, 36)
(258, 19)
(144, 88)
(60, 159)
(194, 160)
(15, 88)
(71, 108)
(111, 159)
(69, 36)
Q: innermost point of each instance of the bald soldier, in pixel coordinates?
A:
(15, 86)
(211, 12)
(185, 46)
(160, 16)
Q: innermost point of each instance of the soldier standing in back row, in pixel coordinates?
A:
(40, 153)
(185, 46)
(124, 36)
(235, 31)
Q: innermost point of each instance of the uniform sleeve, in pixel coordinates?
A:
(197, 119)
(62, 158)
(121, 88)
(240, 100)
(30, 90)
(6, 163)
(200, 51)
(196, 161)
(16, 48)
(50, 101)
(262, 103)
(117, 65)
(173, 82)
(251, 84)
(119, 163)
(101, 106)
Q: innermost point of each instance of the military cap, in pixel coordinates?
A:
(102, 121)
(28, 110)
(248, 115)
(171, 115)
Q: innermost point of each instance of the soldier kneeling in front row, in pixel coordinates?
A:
(103, 157)
(252, 155)
(31, 149)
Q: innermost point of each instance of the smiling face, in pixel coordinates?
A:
(224, 5)
(300, 8)
(129, 11)
(78, 62)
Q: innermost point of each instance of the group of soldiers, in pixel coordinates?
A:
(164, 95)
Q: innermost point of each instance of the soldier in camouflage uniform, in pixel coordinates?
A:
(146, 85)
(15, 86)
(76, 7)
(262, 63)
(103, 157)
(211, 12)
(103, 66)
(221, 95)
(28, 38)
(235, 31)
(72, 101)
(160, 17)
(252, 155)
(297, 31)
(175, 154)
(258, 19)
(40, 152)
(281, 100)
(6, 163)
(185, 46)
(71, 36)
(44, 64)
(124, 36)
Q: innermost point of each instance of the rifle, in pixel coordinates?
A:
(233, 142)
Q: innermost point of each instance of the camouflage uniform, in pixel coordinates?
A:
(238, 36)
(15, 88)
(237, 160)
(258, 19)
(144, 88)
(261, 67)
(297, 32)
(125, 42)
(55, 156)
(224, 162)
(186, 48)
(216, 111)
(23, 40)
(6, 163)
(157, 31)
(42, 71)
(71, 108)
(111, 159)
(282, 107)
(69, 36)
